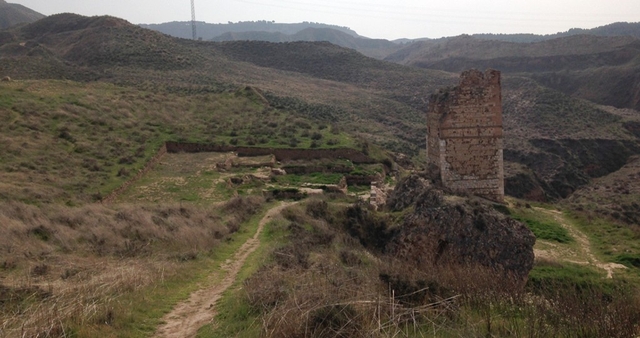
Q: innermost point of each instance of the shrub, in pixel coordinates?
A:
(317, 209)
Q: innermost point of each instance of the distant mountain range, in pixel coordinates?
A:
(208, 31)
(345, 37)
(13, 14)
(376, 48)
(279, 32)
(614, 29)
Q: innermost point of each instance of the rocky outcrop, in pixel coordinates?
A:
(462, 232)
(407, 192)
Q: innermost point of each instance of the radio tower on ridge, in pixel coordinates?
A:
(193, 19)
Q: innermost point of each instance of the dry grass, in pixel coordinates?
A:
(66, 269)
(321, 282)
(85, 294)
(120, 231)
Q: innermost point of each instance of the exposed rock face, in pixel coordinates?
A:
(464, 126)
(461, 233)
(407, 192)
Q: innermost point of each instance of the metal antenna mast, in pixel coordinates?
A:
(193, 19)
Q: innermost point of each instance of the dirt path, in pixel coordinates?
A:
(584, 246)
(189, 316)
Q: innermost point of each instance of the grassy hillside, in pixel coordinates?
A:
(72, 142)
(92, 100)
(367, 98)
(471, 48)
(112, 50)
(615, 196)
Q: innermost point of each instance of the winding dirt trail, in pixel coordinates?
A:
(189, 316)
(584, 246)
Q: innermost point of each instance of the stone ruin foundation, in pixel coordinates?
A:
(464, 135)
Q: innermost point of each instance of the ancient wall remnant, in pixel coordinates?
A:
(464, 134)
(281, 154)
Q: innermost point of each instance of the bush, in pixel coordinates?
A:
(317, 209)
(372, 231)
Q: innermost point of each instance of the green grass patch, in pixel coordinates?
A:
(78, 142)
(552, 279)
(630, 260)
(616, 242)
(313, 178)
(542, 227)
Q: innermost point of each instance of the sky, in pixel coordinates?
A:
(386, 19)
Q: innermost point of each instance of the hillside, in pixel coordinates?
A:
(596, 68)
(614, 196)
(159, 186)
(111, 49)
(614, 29)
(207, 31)
(375, 48)
(379, 101)
(13, 14)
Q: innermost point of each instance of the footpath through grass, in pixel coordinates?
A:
(139, 313)
(235, 316)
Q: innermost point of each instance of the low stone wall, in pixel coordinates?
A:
(361, 180)
(281, 154)
(152, 162)
(298, 170)
(284, 194)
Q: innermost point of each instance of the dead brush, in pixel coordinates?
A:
(124, 231)
(87, 257)
(85, 300)
(336, 304)
(307, 290)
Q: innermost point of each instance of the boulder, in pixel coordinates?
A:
(459, 232)
(278, 172)
(407, 192)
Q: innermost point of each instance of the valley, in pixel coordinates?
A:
(153, 186)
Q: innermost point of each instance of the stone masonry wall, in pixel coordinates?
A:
(464, 126)
(281, 154)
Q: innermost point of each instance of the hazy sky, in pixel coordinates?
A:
(373, 18)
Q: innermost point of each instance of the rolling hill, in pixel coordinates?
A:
(375, 48)
(553, 141)
(92, 101)
(614, 29)
(207, 31)
(13, 14)
(600, 69)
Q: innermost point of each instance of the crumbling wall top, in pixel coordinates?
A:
(474, 77)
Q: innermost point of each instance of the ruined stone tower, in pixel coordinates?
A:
(464, 134)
